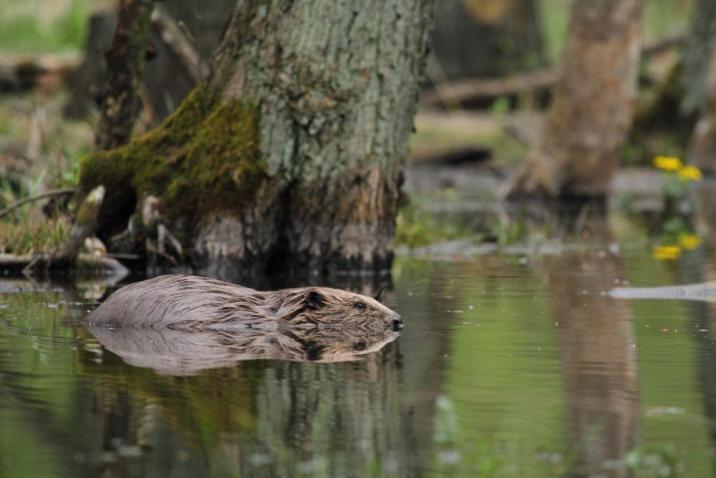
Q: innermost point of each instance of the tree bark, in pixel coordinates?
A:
(593, 104)
(697, 55)
(703, 140)
(291, 156)
(125, 64)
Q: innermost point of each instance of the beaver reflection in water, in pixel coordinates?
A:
(310, 323)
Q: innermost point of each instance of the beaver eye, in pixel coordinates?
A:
(359, 305)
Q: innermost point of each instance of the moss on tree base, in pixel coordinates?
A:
(204, 158)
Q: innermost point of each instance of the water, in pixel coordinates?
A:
(508, 366)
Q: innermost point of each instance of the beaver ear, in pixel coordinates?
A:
(314, 300)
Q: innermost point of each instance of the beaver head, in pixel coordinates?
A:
(324, 307)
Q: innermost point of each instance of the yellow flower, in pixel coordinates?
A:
(689, 241)
(691, 173)
(668, 163)
(666, 253)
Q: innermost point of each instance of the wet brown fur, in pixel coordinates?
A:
(185, 302)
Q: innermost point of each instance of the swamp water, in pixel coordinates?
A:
(513, 365)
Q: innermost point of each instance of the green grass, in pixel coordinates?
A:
(24, 32)
(33, 234)
(416, 227)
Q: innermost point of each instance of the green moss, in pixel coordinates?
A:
(203, 158)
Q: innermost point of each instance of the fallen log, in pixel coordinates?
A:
(458, 91)
(21, 73)
(12, 264)
(48, 194)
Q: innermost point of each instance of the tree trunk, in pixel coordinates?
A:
(125, 64)
(599, 362)
(592, 107)
(487, 38)
(703, 140)
(292, 154)
(697, 55)
(165, 77)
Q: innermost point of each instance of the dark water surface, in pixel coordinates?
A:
(514, 366)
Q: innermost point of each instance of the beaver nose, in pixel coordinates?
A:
(397, 323)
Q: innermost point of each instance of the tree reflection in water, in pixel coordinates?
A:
(256, 417)
(597, 342)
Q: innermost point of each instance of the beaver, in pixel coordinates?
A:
(192, 303)
(171, 352)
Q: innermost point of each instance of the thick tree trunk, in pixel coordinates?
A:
(487, 38)
(125, 64)
(593, 104)
(292, 155)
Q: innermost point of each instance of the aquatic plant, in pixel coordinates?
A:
(678, 177)
(676, 233)
(671, 247)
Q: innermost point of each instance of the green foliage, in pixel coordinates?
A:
(416, 226)
(661, 18)
(501, 106)
(25, 32)
(32, 233)
(26, 230)
(662, 463)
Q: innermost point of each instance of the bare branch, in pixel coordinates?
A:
(454, 92)
(176, 40)
(48, 194)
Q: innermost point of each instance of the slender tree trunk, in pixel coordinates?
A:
(487, 38)
(703, 140)
(596, 337)
(593, 104)
(698, 54)
(292, 155)
(125, 64)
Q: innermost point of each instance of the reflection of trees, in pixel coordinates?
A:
(700, 267)
(600, 368)
(268, 418)
(371, 417)
(703, 317)
(30, 395)
(426, 340)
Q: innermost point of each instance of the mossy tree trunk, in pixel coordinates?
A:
(593, 104)
(292, 154)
